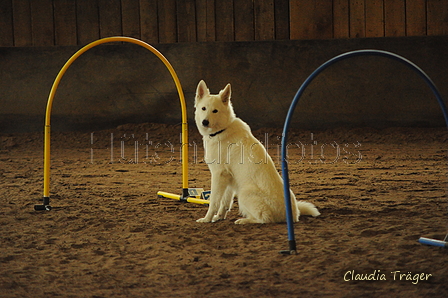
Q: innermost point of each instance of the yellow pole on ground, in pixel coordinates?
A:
(47, 137)
(188, 199)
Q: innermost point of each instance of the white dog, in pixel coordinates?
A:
(240, 166)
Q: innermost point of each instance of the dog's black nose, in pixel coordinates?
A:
(205, 123)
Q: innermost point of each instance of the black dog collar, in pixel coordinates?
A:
(216, 133)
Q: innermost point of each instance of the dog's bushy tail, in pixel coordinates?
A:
(307, 208)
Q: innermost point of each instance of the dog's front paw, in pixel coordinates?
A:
(217, 218)
(203, 220)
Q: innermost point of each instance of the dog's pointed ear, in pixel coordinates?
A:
(226, 94)
(201, 91)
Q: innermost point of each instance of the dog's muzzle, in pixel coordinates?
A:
(205, 122)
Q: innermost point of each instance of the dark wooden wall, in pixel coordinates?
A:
(117, 84)
(78, 22)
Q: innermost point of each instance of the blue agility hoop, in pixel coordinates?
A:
(286, 187)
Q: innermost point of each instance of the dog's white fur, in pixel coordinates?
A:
(240, 165)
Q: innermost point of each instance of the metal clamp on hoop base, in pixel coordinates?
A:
(292, 249)
(45, 205)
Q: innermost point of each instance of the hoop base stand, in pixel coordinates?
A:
(433, 242)
(292, 249)
(45, 205)
(189, 195)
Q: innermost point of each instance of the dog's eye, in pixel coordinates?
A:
(215, 111)
(203, 108)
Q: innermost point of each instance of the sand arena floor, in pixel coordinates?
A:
(109, 235)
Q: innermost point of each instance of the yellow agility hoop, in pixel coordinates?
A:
(46, 197)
